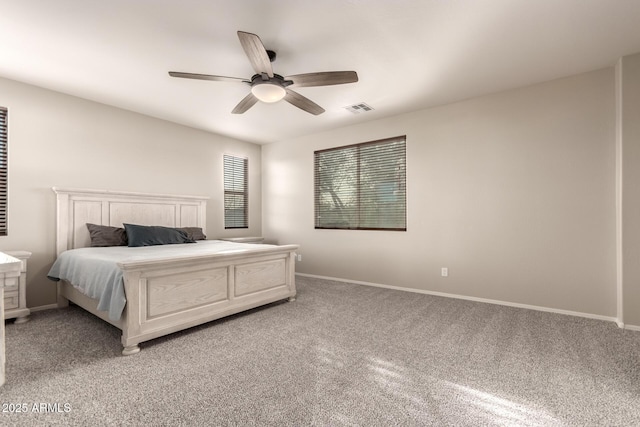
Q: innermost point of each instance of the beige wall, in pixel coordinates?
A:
(59, 140)
(630, 127)
(514, 193)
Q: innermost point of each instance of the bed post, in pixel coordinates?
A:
(62, 233)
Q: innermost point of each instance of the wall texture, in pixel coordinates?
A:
(60, 140)
(514, 193)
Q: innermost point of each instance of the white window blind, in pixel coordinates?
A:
(4, 169)
(236, 192)
(362, 186)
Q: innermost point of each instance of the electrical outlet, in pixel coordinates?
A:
(444, 272)
(298, 257)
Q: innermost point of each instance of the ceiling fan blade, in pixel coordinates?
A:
(246, 103)
(207, 77)
(327, 78)
(256, 53)
(303, 102)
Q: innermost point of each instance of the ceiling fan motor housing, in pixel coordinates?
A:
(277, 79)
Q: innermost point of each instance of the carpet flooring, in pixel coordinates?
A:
(340, 355)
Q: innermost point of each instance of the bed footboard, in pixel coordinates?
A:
(168, 296)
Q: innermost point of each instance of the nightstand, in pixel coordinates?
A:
(9, 275)
(15, 292)
(243, 239)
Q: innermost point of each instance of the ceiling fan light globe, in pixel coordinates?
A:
(268, 92)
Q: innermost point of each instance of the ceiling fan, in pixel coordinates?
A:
(269, 87)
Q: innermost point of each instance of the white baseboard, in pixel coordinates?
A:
(485, 300)
(632, 328)
(43, 307)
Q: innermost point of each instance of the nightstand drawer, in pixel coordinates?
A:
(11, 284)
(11, 300)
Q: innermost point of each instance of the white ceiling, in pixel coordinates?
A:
(409, 54)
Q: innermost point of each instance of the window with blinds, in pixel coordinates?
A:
(362, 186)
(236, 192)
(4, 169)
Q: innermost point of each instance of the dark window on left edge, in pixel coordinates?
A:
(4, 169)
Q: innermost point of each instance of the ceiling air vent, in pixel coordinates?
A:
(359, 108)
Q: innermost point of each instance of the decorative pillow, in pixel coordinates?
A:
(194, 233)
(104, 235)
(151, 235)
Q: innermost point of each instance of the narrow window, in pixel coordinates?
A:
(236, 192)
(362, 186)
(4, 169)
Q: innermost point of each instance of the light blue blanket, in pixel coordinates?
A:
(95, 271)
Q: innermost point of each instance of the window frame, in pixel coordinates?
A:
(360, 208)
(228, 217)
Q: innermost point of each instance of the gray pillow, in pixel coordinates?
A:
(151, 235)
(104, 235)
(194, 233)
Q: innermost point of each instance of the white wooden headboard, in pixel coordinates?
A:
(77, 207)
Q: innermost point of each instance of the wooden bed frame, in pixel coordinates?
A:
(168, 296)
